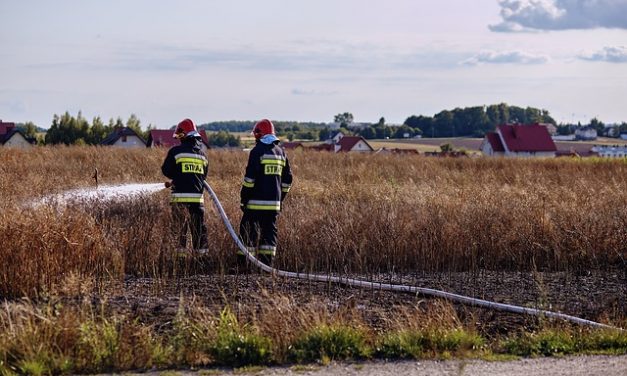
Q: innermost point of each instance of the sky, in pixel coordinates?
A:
(309, 60)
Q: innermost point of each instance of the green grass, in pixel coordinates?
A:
(237, 345)
(58, 341)
(324, 343)
(418, 344)
(554, 342)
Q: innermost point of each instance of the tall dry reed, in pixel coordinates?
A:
(346, 213)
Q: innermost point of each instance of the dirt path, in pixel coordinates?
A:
(571, 366)
(592, 296)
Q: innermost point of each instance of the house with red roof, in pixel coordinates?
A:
(349, 144)
(346, 144)
(163, 138)
(11, 136)
(518, 140)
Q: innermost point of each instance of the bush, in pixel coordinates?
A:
(238, 346)
(324, 343)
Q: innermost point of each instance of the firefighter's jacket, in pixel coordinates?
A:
(186, 165)
(267, 179)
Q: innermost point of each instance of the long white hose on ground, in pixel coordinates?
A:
(392, 287)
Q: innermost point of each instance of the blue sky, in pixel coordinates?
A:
(308, 60)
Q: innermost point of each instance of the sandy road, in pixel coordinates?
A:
(572, 365)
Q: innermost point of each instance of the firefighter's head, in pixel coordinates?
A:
(186, 128)
(263, 128)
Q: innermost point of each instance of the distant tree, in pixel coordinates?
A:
(368, 133)
(422, 123)
(382, 131)
(134, 123)
(117, 124)
(497, 114)
(443, 124)
(98, 132)
(565, 129)
(306, 135)
(597, 124)
(235, 141)
(223, 138)
(325, 134)
(402, 131)
(30, 129)
(344, 119)
(66, 129)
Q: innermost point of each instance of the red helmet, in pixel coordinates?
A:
(262, 128)
(186, 128)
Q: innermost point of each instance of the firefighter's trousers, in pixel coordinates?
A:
(258, 230)
(191, 217)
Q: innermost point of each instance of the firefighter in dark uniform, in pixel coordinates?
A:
(186, 165)
(266, 183)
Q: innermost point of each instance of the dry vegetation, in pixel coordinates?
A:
(369, 215)
(346, 213)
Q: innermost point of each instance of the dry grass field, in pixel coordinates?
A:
(548, 233)
(347, 213)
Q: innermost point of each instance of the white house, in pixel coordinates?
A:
(623, 136)
(124, 138)
(519, 141)
(12, 137)
(586, 133)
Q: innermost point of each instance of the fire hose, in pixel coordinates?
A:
(394, 287)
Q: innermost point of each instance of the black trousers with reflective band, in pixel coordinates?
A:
(190, 217)
(258, 230)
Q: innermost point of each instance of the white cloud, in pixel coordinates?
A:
(506, 57)
(529, 15)
(607, 54)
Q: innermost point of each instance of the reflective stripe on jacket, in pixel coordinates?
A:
(267, 179)
(187, 166)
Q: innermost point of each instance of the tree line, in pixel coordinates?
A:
(473, 121)
(476, 121)
(77, 130)
(69, 130)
